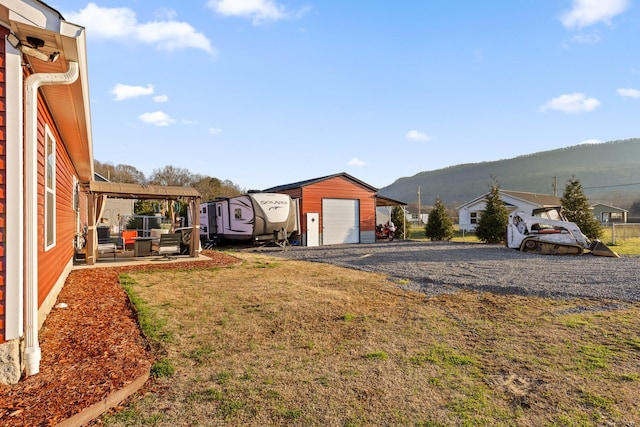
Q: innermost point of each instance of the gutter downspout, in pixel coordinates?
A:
(32, 84)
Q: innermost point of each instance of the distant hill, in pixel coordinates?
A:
(609, 173)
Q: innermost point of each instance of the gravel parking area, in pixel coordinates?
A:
(439, 267)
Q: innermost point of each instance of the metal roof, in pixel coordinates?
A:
(316, 180)
(387, 201)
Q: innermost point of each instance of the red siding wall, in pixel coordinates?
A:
(52, 262)
(3, 145)
(339, 188)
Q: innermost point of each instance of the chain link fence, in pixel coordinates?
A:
(620, 232)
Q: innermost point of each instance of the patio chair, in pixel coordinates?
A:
(128, 238)
(155, 233)
(167, 245)
(105, 244)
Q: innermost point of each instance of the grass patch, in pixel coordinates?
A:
(595, 401)
(201, 354)
(279, 344)
(576, 321)
(377, 355)
(162, 368)
(229, 408)
(593, 357)
(152, 325)
(633, 343)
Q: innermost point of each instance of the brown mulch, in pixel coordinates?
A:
(90, 349)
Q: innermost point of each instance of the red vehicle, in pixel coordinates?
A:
(385, 232)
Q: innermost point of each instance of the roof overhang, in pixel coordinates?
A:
(387, 201)
(138, 191)
(69, 104)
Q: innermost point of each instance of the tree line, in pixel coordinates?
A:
(209, 187)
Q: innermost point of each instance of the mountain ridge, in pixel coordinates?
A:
(609, 173)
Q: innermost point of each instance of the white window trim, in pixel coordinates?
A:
(49, 189)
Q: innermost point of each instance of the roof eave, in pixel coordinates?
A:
(69, 104)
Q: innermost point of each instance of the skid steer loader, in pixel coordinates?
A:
(548, 232)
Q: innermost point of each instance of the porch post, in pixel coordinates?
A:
(90, 244)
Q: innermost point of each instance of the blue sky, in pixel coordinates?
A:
(269, 92)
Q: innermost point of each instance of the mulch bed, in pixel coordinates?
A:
(90, 349)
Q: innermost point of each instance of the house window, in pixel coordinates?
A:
(50, 190)
(76, 195)
(474, 217)
(616, 216)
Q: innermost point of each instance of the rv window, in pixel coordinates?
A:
(238, 213)
(204, 209)
(219, 210)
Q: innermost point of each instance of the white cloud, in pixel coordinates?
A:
(157, 118)
(161, 98)
(356, 162)
(122, 92)
(592, 38)
(630, 93)
(416, 135)
(589, 12)
(591, 141)
(121, 24)
(215, 131)
(172, 35)
(260, 11)
(572, 103)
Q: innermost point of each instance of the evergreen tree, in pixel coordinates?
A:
(398, 218)
(576, 208)
(439, 225)
(493, 221)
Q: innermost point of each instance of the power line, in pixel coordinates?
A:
(611, 186)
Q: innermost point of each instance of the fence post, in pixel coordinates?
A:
(613, 233)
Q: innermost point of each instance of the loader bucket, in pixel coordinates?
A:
(600, 249)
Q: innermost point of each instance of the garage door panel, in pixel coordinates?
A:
(340, 221)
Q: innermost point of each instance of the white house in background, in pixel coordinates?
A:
(470, 212)
(608, 214)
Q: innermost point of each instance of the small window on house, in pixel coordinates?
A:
(50, 190)
(76, 194)
(616, 216)
(474, 216)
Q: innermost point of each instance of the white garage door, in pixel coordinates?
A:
(340, 221)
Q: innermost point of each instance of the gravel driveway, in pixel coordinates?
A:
(438, 267)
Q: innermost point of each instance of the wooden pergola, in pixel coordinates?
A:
(98, 191)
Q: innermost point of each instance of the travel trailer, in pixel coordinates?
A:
(257, 217)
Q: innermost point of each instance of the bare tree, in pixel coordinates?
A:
(119, 173)
(210, 187)
(170, 175)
